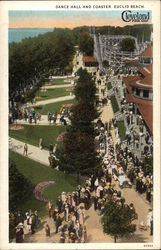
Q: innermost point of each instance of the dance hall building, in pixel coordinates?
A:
(139, 88)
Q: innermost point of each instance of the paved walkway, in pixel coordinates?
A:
(130, 195)
(94, 227)
(53, 100)
(56, 86)
(34, 153)
(43, 121)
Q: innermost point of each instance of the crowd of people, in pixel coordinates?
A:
(19, 221)
(27, 114)
(137, 171)
(69, 214)
(138, 136)
(32, 116)
(135, 152)
(62, 118)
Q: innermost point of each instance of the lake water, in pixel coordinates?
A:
(17, 34)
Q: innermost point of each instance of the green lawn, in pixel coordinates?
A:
(37, 173)
(52, 107)
(52, 93)
(59, 81)
(114, 103)
(109, 86)
(32, 134)
(122, 130)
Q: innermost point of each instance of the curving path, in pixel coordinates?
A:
(53, 100)
(43, 121)
(94, 227)
(57, 86)
(34, 153)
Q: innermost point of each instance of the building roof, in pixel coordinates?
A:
(145, 107)
(132, 62)
(89, 59)
(147, 52)
(146, 70)
(147, 81)
(138, 81)
(147, 113)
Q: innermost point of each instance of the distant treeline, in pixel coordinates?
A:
(141, 31)
(52, 52)
(37, 57)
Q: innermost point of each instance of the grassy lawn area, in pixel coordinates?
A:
(37, 173)
(52, 93)
(52, 107)
(32, 134)
(59, 81)
(109, 86)
(122, 130)
(114, 103)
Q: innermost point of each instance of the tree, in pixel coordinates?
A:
(34, 57)
(106, 63)
(82, 116)
(86, 43)
(19, 187)
(85, 90)
(128, 44)
(85, 111)
(117, 219)
(78, 153)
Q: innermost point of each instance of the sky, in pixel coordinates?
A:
(64, 18)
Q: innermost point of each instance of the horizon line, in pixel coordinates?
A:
(71, 28)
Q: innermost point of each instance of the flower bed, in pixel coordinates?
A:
(38, 191)
(16, 127)
(60, 136)
(67, 105)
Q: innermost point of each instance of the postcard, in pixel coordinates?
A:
(80, 124)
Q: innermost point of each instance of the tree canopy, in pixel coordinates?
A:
(78, 153)
(128, 44)
(19, 187)
(35, 57)
(86, 43)
(141, 31)
(85, 89)
(117, 219)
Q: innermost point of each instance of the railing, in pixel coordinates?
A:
(98, 51)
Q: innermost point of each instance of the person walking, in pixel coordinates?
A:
(40, 143)
(36, 219)
(58, 222)
(19, 233)
(47, 230)
(84, 234)
(51, 149)
(50, 207)
(151, 226)
(25, 149)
